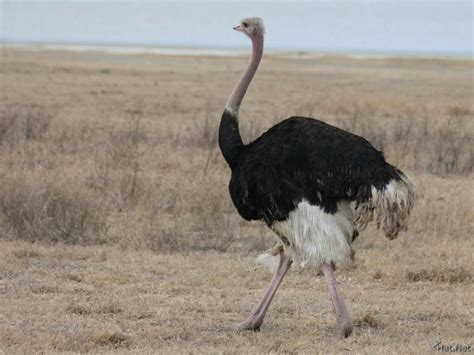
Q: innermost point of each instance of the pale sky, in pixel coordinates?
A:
(419, 26)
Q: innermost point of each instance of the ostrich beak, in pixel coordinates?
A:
(239, 28)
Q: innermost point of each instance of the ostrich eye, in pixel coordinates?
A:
(245, 24)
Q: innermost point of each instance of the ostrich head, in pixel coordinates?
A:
(251, 26)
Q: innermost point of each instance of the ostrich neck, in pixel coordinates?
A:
(235, 99)
(230, 141)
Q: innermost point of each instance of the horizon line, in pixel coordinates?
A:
(124, 47)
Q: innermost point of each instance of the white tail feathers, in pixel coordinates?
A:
(315, 237)
(389, 207)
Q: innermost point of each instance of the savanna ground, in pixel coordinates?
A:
(117, 232)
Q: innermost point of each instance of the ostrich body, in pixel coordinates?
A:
(313, 184)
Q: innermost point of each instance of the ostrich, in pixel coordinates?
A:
(313, 184)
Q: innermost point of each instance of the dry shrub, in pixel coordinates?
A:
(123, 144)
(113, 340)
(368, 321)
(208, 137)
(459, 111)
(189, 214)
(50, 213)
(194, 221)
(163, 239)
(24, 124)
(379, 275)
(449, 275)
(119, 175)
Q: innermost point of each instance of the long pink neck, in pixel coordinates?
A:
(230, 141)
(235, 99)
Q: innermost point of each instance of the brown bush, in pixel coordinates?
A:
(50, 213)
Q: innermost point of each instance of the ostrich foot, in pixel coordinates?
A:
(345, 330)
(255, 320)
(250, 324)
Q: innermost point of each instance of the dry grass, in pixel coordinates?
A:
(33, 212)
(117, 232)
(451, 275)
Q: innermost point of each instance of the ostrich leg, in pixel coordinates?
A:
(343, 317)
(255, 320)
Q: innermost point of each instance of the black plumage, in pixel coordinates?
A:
(300, 158)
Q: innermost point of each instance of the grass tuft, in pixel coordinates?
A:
(449, 275)
(27, 253)
(379, 275)
(368, 321)
(84, 309)
(113, 340)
